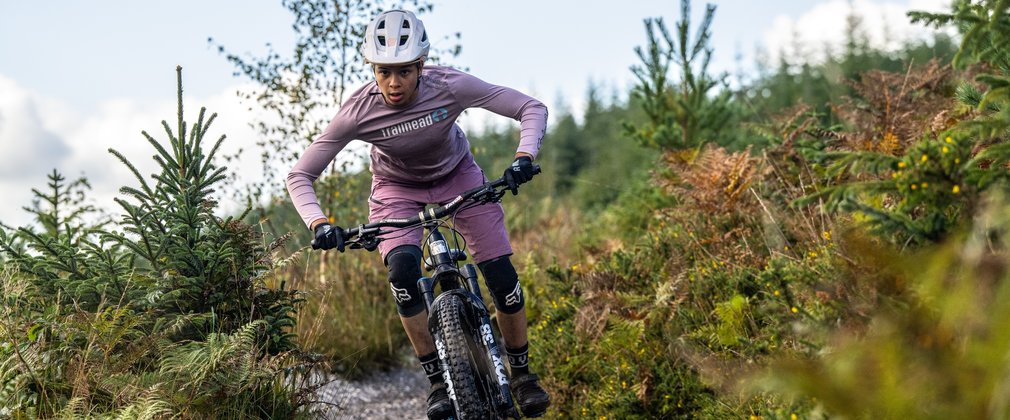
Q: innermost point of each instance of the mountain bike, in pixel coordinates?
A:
(458, 320)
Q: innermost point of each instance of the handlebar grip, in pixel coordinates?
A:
(314, 246)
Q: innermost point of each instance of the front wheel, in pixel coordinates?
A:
(456, 349)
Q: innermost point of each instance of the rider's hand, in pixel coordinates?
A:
(519, 173)
(328, 237)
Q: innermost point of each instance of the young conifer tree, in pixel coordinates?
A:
(203, 264)
(687, 113)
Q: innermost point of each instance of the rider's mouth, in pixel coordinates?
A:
(395, 97)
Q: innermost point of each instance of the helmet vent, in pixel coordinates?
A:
(403, 40)
(406, 25)
(382, 25)
(382, 40)
(424, 36)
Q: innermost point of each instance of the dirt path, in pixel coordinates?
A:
(397, 394)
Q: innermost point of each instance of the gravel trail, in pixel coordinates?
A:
(397, 394)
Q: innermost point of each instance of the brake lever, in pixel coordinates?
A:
(494, 196)
(490, 195)
(367, 239)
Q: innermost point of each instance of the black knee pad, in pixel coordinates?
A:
(503, 281)
(404, 264)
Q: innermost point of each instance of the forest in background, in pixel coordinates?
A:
(824, 241)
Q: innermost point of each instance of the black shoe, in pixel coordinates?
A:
(439, 406)
(533, 400)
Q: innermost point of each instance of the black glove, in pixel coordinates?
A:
(328, 237)
(519, 173)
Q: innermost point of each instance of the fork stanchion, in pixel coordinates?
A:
(427, 291)
(470, 272)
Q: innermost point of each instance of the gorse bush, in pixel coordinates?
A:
(917, 186)
(172, 314)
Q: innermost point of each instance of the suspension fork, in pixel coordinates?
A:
(444, 262)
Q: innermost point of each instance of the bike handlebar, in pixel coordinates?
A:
(491, 191)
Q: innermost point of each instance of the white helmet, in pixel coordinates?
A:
(395, 37)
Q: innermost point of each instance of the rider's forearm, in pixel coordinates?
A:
(303, 196)
(532, 127)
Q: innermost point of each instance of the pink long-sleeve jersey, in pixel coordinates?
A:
(414, 145)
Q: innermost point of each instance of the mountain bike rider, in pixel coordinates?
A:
(419, 156)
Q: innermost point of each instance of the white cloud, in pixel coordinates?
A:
(25, 142)
(28, 149)
(885, 24)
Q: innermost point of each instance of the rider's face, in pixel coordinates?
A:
(398, 84)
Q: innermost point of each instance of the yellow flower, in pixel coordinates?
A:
(925, 158)
(826, 235)
(894, 175)
(945, 149)
(956, 189)
(776, 293)
(914, 187)
(336, 194)
(925, 185)
(794, 309)
(812, 254)
(902, 164)
(793, 416)
(958, 160)
(948, 139)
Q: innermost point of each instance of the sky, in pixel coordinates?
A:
(77, 78)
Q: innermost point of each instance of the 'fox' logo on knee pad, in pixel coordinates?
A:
(401, 295)
(515, 297)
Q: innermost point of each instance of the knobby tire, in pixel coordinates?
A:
(470, 402)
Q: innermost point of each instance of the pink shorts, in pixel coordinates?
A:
(482, 226)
